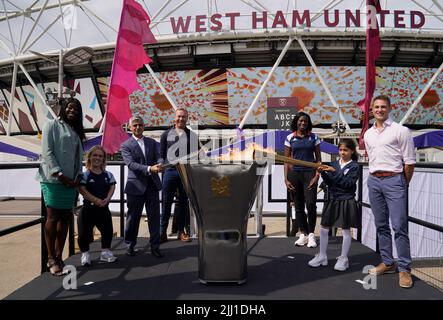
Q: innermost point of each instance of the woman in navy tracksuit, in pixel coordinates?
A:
(341, 210)
(303, 144)
(97, 187)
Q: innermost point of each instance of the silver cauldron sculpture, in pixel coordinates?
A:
(222, 196)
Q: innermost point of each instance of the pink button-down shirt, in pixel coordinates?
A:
(389, 147)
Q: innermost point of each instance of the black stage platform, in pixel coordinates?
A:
(276, 271)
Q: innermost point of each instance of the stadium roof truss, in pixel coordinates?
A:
(241, 47)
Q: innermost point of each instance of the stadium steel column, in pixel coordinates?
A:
(37, 91)
(154, 24)
(85, 8)
(422, 93)
(428, 10)
(11, 104)
(320, 78)
(42, 9)
(270, 74)
(161, 86)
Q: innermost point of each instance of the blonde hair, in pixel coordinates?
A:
(89, 156)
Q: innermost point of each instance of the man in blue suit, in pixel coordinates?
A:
(142, 188)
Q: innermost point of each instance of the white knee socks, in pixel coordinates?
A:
(346, 245)
(324, 238)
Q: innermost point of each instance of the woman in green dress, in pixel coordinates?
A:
(61, 166)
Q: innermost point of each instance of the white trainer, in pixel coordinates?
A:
(342, 264)
(318, 261)
(301, 241)
(107, 256)
(86, 259)
(311, 241)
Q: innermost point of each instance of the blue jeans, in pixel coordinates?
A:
(388, 201)
(172, 184)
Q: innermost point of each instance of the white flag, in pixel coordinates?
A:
(70, 17)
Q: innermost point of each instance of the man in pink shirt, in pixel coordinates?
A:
(391, 164)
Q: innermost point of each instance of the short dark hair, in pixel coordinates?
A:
(294, 123)
(136, 118)
(78, 123)
(181, 109)
(381, 97)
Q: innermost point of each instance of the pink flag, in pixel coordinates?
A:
(129, 56)
(373, 50)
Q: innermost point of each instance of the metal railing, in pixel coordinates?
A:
(42, 219)
(288, 201)
(121, 201)
(420, 222)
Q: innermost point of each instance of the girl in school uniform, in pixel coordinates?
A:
(341, 210)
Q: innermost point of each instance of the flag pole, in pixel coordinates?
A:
(161, 86)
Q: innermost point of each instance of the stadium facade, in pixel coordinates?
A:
(212, 58)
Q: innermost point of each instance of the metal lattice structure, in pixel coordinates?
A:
(36, 38)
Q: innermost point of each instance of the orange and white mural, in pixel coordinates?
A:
(222, 96)
(203, 93)
(347, 85)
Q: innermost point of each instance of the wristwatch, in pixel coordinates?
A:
(59, 174)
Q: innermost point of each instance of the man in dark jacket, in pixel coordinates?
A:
(142, 188)
(176, 143)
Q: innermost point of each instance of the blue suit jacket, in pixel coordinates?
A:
(138, 175)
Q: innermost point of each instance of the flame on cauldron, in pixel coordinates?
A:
(246, 155)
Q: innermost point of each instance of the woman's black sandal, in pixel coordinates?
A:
(54, 268)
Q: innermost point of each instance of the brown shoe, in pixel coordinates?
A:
(183, 237)
(405, 279)
(383, 269)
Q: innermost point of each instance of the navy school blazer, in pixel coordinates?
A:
(343, 182)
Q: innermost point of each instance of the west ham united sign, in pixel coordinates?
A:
(262, 20)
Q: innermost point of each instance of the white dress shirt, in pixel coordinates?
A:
(141, 143)
(389, 147)
(342, 163)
